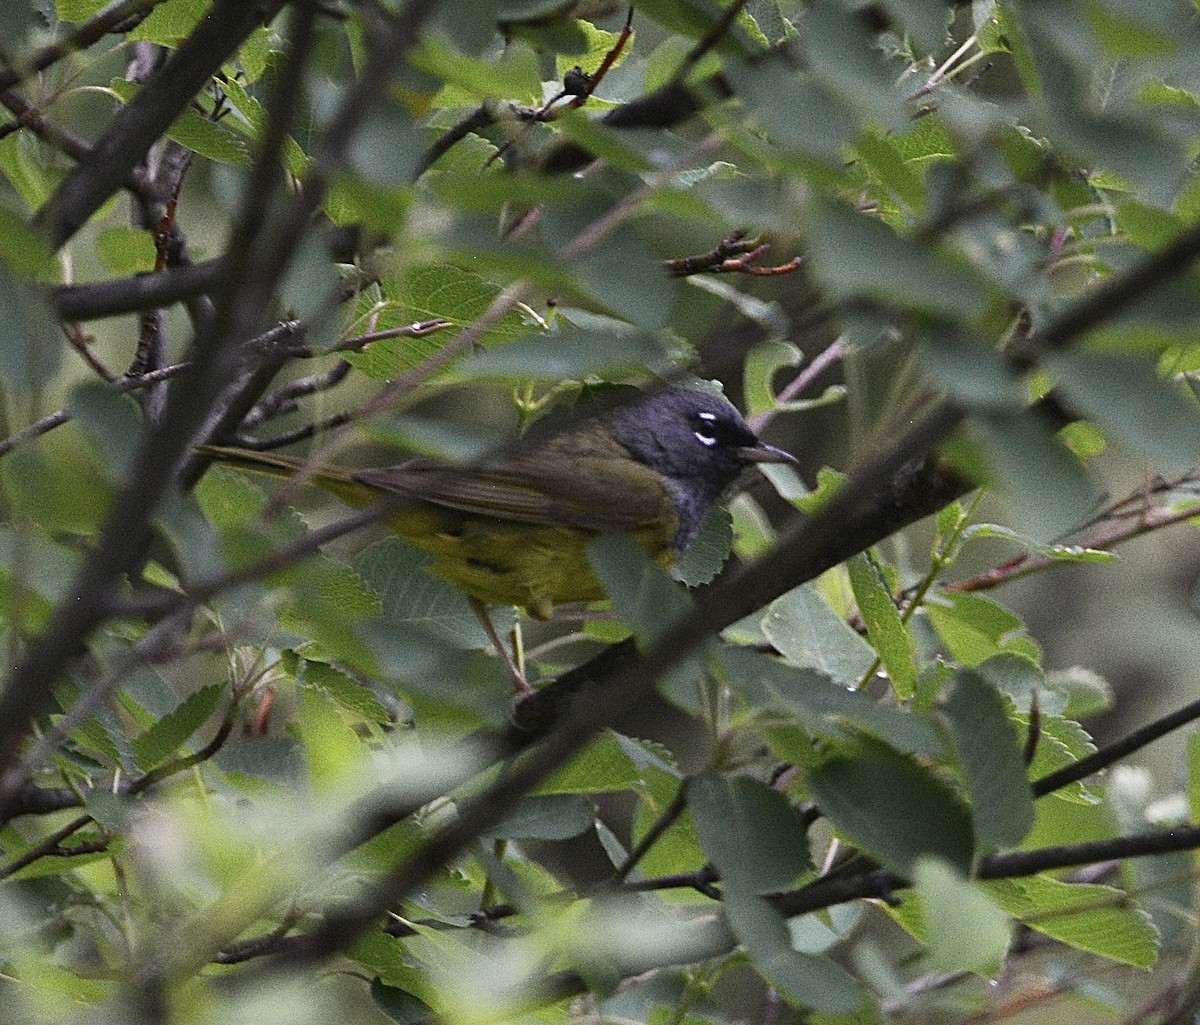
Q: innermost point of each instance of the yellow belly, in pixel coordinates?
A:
(505, 563)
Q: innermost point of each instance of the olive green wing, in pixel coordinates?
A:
(593, 484)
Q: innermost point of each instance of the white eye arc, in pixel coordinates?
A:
(706, 435)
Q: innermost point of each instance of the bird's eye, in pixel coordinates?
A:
(704, 428)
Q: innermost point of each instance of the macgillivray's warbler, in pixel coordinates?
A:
(515, 531)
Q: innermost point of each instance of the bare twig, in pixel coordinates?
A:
(287, 398)
(1149, 521)
(817, 366)
(664, 822)
(1112, 753)
(303, 433)
(733, 255)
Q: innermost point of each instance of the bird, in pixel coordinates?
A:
(514, 530)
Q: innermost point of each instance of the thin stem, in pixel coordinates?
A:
(1114, 752)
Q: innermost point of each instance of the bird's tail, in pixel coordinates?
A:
(337, 480)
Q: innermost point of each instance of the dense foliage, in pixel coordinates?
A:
(257, 764)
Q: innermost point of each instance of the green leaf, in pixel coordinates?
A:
(24, 252)
(385, 151)
(163, 739)
(892, 807)
(328, 598)
(108, 809)
(1147, 226)
(753, 533)
(990, 755)
(547, 817)
(802, 979)
(30, 565)
(255, 55)
(646, 597)
(113, 423)
(1098, 919)
(623, 274)
(838, 45)
(679, 848)
(749, 831)
(412, 596)
(29, 176)
(856, 256)
(1019, 450)
(211, 139)
(344, 690)
(807, 631)
(976, 374)
(828, 482)
(1060, 553)
(884, 628)
(420, 294)
(196, 131)
(925, 142)
(1061, 742)
(1124, 36)
(569, 353)
(78, 10)
(975, 628)
(94, 739)
(599, 44)
(1193, 774)
(170, 22)
(965, 930)
(1131, 403)
(513, 77)
(1087, 693)
(333, 750)
(891, 170)
(352, 200)
(825, 707)
(604, 766)
(796, 112)
(58, 485)
(126, 250)
(400, 1005)
(260, 764)
(1018, 678)
(759, 368)
(693, 18)
(247, 105)
(708, 552)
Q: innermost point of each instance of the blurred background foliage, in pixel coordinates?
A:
(258, 766)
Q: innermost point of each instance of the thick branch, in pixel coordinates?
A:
(135, 294)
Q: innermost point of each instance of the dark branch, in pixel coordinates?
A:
(135, 294)
(1113, 753)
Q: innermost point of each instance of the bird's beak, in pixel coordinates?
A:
(761, 453)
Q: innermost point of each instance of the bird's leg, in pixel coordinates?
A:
(520, 684)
